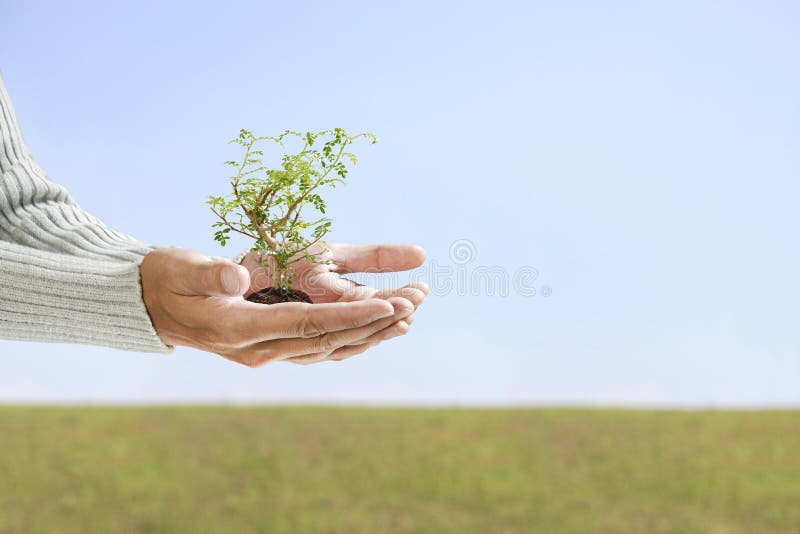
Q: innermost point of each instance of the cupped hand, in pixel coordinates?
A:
(324, 283)
(196, 301)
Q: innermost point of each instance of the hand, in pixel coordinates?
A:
(196, 301)
(324, 283)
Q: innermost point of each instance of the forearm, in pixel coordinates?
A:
(46, 296)
(64, 275)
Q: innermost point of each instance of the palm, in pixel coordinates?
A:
(324, 282)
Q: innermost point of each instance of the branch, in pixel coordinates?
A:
(311, 244)
(316, 184)
(231, 225)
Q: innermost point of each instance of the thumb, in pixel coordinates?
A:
(220, 278)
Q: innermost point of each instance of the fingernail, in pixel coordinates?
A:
(230, 280)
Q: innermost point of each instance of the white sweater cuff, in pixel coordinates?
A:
(46, 296)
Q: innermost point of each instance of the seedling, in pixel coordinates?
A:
(267, 204)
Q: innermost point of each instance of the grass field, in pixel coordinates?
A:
(220, 469)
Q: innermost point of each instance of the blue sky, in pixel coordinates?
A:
(642, 158)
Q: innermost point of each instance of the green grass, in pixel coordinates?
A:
(219, 469)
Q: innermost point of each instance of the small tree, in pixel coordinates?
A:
(267, 204)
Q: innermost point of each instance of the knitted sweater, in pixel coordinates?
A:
(64, 275)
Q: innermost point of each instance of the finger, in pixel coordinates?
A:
(393, 330)
(239, 323)
(338, 288)
(337, 355)
(309, 359)
(283, 349)
(397, 329)
(409, 292)
(375, 258)
(201, 275)
(422, 286)
(402, 307)
(348, 291)
(348, 352)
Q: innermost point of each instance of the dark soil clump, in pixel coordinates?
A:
(277, 296)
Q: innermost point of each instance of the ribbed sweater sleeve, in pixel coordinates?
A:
(64, 276)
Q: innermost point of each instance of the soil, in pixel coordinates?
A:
(277, 296)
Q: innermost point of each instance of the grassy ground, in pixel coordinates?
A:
(370, 470)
